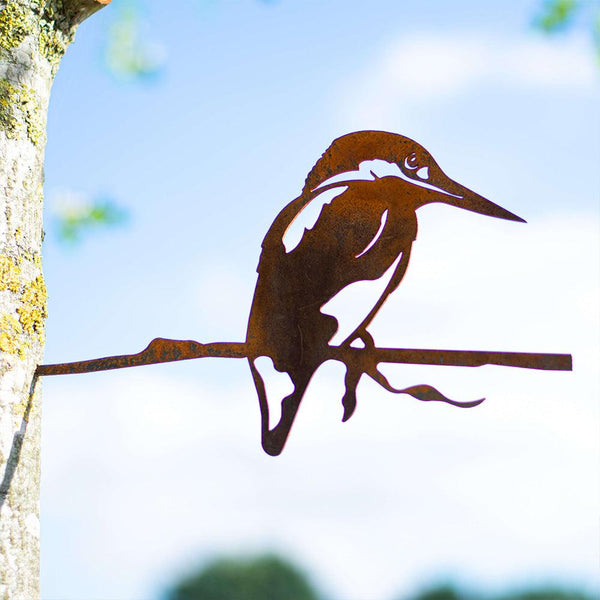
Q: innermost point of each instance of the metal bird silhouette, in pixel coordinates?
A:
(367, 229)
(359, 235)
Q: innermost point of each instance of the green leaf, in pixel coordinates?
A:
(75, 215)
(556, 15)
(131, 53)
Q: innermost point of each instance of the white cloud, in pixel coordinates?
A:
(429, 69)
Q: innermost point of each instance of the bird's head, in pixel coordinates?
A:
(415, 163)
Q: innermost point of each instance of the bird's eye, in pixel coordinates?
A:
(411, 162)
(423, 173)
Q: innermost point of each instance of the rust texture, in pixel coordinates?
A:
(366, 229)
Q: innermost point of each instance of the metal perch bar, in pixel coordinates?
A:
(162, 350)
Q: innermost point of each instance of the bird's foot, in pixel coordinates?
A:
(349, 399)
(355, 372)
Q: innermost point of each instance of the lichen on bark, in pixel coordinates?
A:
(15, 25)
(29, 316)
(32, 312)
(21, 111)
(53, 42)
(9, 274)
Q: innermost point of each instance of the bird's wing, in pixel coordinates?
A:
(347, 226)
(309, 214)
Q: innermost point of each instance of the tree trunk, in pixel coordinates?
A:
(34, 35)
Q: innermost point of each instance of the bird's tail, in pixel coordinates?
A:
(273, 440)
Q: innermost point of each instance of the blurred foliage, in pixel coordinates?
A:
(132, 53)
(441, 592)
(266, 577)
(76, 214)
(557, 16)
(550, 593)
(269, 577)
(450, 592)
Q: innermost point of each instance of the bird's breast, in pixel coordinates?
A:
(357, 236)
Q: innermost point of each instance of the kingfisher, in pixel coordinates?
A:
(366, 229)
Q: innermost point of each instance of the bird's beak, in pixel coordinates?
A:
(453, 193)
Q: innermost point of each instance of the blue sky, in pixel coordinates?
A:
(147, 472)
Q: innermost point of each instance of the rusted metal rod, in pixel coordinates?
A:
(474, 358)
(163, 350)
(159, 350)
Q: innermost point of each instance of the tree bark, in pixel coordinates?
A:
(34, 35)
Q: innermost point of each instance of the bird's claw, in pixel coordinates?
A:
(353, 375)
(349, 400)
(349, 403)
